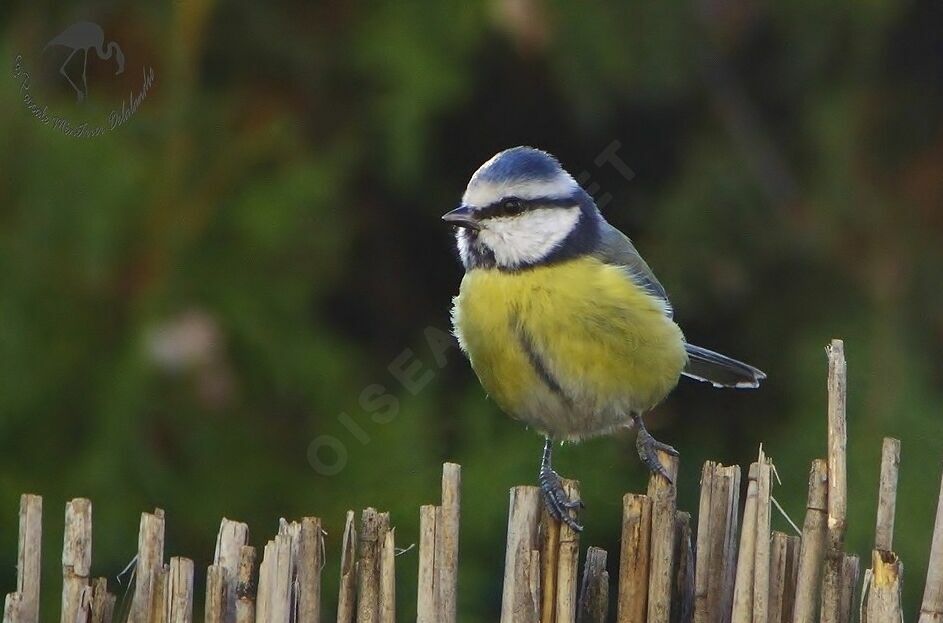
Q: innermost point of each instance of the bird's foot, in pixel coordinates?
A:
(558, 503)
(648, 448)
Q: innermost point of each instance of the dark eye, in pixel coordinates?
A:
(512, 207)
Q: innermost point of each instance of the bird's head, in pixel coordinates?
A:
(522, 209)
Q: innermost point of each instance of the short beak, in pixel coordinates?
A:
(462, 216)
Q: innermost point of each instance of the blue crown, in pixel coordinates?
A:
(521, 163)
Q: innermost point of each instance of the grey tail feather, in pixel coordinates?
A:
(720, 370)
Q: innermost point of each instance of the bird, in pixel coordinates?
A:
(84, 36)
(565, 325)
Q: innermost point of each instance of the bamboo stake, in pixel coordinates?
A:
(368, 576)
(682, 595)
(180, 591)
(743, 587)
(310, 562)
(704, 529)
(347, 594)
(887, 494)
(150, 559)
(594, 589)
(761, 570)
(426, 602)
(280, 595)
(779, 553)
(520, 603)
(811, 552)
(634, 558)
(232, 536)
(884, 593)
(245, 585)
(837, 483)
(388, 577)
(160, 607)
(731, 475)
(849, 582)
(568, 561)
(28, 561)
(931, 608)
(216, 598)
(102, 602)
(663, 495)
(13, 608)
(447, 534)
(549, 554)
(716, 542)
(76, 558)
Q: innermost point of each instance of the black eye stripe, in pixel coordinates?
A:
(511, 206)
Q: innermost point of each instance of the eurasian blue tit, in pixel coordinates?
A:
(564, 323)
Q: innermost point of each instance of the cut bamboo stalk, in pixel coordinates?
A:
(426, 603)
(533, 578)
(761, 569)
(884, 593)
(447, 534)
(215, 603)
(716, 542)
(663, 495)
(519, 603)
(180, 591)
(887, 494)
(931, 608)
(232, 536)
(594, 589)
(368, 576)
(263, 602)
(837, 483)
(388, 577)
(150, 559)
(76, 559)
(731, 474)
(160, 607)
(779, 554)
(245, 585)
(29, 556)
(102, 602)
(568, 561)
(634, 558)
(280, 587)
(849, 581)
(812, 550)
(743, 587)
(682, 594)
(549, 553)
(13, 608)
(347, 593)
(310, 563)
(704, 529)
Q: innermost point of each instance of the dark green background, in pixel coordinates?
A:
(274, 206)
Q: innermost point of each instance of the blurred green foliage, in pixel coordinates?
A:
(187, 302)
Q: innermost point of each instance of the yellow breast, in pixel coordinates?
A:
(571, 348)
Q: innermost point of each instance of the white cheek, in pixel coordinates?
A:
(529, 237)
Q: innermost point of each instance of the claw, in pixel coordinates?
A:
(556, 500)
(648, 448)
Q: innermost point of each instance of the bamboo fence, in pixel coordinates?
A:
(728, 568)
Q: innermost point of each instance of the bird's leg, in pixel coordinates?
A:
(84, 71)
(78, 94)
(648, 448)
(555, 497)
